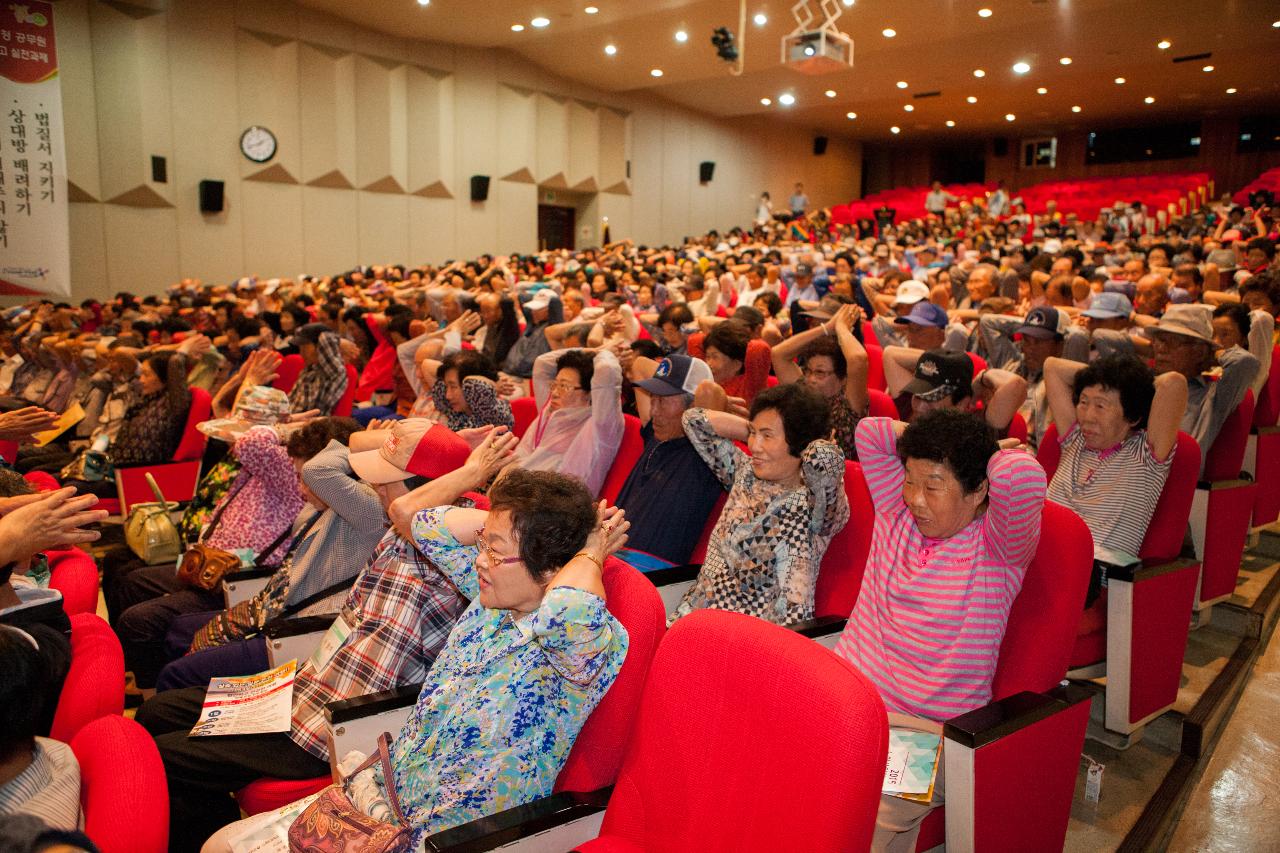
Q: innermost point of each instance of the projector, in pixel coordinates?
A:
(817, 51)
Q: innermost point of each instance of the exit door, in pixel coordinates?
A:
(555, 227)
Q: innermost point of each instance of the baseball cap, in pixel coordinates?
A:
(911, 292)
(939, 373)
(537, 303)
(676, 374)
(1108, 306)
(1044, 321)
(1192, 321)
(309, 334)
(925, 314)
(828, 306)
(804, 270)
(416, 446)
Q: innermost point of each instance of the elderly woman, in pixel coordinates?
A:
(739, 362)
(786, 501)
(526, 664)
(957, 522)
(463, 392)
(323, 379)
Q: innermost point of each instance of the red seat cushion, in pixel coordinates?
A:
(95, 682)
(122, 787)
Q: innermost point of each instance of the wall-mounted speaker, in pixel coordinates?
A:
(705, 171)
(159, 170)
(211, 196)
(1000, 146)
(479, 187)
(819, 146)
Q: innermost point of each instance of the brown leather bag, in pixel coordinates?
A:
(203, 566)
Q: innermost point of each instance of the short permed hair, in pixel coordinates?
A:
(731, 338)
(959, 440)
(827, 345)
(552, 516)
(806, 417)
(317, 434)
(581, 361)
(1126, 374)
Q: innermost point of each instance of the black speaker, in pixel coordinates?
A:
(705, 170)
(1001, 146)
(819, 146)
(211, 196)
(479, 187)
(159, 170)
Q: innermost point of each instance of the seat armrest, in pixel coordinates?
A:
(346, 710)
(357, 723)
(295, 639)
(825, 630)
(294, 626)
(247, 575)
(1004, 717)
(243, 585)
(675, 574)
(1137, 572)
(559, 822)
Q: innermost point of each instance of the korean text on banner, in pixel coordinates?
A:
(34, 246)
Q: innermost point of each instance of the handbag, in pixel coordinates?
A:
(203, 566)
(91, 466)
(149, 532)
(333, 824)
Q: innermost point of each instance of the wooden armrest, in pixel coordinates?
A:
(511, 825)
(346, 710)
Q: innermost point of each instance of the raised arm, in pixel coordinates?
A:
(899, 367)
(784, 354)
(1059, 380)
(1165, 419)
(485, 461)
(857, 361)
(1008, 391)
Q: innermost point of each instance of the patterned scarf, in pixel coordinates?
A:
(321, 385)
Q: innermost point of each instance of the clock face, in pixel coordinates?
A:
(258, 144)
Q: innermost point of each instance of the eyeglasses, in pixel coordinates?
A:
(816, 373)
(490, 555)
(564, 387)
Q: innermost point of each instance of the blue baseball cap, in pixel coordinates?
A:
(925, 314)
(1109, 306)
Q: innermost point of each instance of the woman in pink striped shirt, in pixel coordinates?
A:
(957, 522)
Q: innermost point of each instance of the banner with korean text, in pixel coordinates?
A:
(35, 252)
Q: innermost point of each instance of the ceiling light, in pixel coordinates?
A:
(1276, 24)
(517, 28)
(902, 84)
(971, 99)
(1009, 116)
(591, 10)
(908, 108)
(761, 19)
(848, 3)
(950, 123)
(895, 129)
(830, 93)
(984, 13)
(656, 72)
(850, 116)
(1207, 68)
(1148, 100)
(1075, 109)
(1021, 67)
(766, 101)
(1231, 91)
(1164, 44)
(1042, 91)
(1119, 81)
(978, 72)
(786, 99)
(888, 32)
(1066, 60)
(540, 22)
(424, 2)
(610, 49)
(681, 36)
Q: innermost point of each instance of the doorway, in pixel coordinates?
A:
(555, 227)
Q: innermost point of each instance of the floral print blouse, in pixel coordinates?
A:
(765, 550)
(504, 700)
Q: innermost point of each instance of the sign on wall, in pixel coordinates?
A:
(34, 249)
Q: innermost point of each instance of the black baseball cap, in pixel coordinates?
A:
(940, 373)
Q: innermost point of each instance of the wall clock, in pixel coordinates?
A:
(258, 144)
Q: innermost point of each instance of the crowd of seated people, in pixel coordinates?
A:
(420, 453)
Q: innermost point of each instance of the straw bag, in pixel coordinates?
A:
(149, 532)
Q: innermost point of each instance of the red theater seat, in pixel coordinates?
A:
(1222, 511)
(74, 574)
(347, 401)
(95, 683)
(177, 479)
(525, 412)
(122, 787)
(287, 373)
(628, 455)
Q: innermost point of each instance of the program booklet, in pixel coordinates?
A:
(911, 767)
(248, 705)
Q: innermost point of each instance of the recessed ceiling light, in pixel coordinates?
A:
(1066, 60)
(786, 99)
(766, 101)
(761, 19)
(950, 123)
(1148, 100)
(1009, 116)
(978, 72)
(1231, 91)
(908, 108)
(1164, 44)
(848, 3)
(681, 36)
(830, 93)
(1119, 81)
(1276, 24)
(591, 10)
(610, 49)
(895, 129)
(888, 32)
(1021, 67)
(656, 72)
(1042, 91)
(1075, 109)
(984, 13)
(971, 99)
(902, 84)
(424, 2)
(517, 28)
(1207, 68)
(540, 22)
(850, 116)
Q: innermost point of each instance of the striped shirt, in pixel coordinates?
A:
(931, 615)
(48, 788)
(1113, 491)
